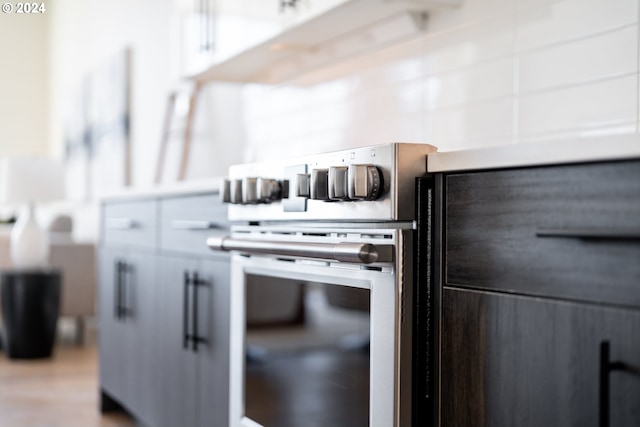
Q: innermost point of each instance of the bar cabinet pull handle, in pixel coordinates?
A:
(116, 289)
(195, 338)
(180, 224)
(120, 223)
(606, 367)
(591, 233)
(185, 311)
(359, 253)
(124, 282)
(194, 313)
(122, 309)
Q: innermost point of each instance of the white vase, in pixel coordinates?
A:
(29, 242)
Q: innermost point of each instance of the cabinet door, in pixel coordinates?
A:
(213, 354)
(177, 368)
(140, 294)
(521, 361)
(111, 340)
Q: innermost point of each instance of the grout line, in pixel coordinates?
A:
(579, 83)
(516, 79)
(576, 39)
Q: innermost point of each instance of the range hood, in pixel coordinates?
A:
(351, 28)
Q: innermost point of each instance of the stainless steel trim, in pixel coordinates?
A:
(180, 224)
(120, 223)
(359, 253)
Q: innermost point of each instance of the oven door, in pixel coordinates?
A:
(316, 342)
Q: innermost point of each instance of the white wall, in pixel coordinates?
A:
(492, 72)
(23, 85)
(86, 34)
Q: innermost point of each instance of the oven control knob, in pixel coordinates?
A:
(249, 191)
(225, 191)
(303, 185)
(235, 191)
(268, 190)
(320, 184)
(338, 183)
(365, 182)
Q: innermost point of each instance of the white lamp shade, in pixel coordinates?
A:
(31, 179)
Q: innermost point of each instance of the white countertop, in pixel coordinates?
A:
(181, 188)
(613, 147)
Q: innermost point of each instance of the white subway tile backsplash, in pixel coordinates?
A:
(491, 72)
(493, 79)
(487, 120)
(334, 92)
(330, 117)
(408, 128)
(605, 55)
(390, 101)
(488, 39)
(469, 12)
(563, 20)
(406, 69)
(602, 103)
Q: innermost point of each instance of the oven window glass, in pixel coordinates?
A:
(307, 354)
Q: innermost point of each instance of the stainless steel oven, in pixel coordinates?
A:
(322, 288)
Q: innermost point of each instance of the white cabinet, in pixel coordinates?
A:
(247, 40)
(213, 31)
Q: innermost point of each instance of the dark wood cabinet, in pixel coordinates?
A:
(539, 296)
(520, 361)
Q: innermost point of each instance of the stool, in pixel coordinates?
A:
(30, 307)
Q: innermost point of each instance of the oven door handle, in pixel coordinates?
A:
(359, 253)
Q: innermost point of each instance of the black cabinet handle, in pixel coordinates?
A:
(606, 366)
(120, 290)
(194, 322)
(191, 337)
(195, 338)
(125, 310)
(185, 311)
(116, 289)
(591, 233)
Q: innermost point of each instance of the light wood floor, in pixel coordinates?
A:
(57, 392)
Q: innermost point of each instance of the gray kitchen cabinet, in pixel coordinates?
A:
(539, 296)
(177, 362)
(152, 252)
(194, 352)
(113, 369)
(194, 311)
(127, 304)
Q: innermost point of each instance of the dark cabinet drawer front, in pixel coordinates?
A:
(130, 223)
(530, 362)
(566, 231)
(186, 222)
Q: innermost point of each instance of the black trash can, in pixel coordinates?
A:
(30, 306)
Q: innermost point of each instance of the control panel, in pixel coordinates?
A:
(329, 186)
(355, 182)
